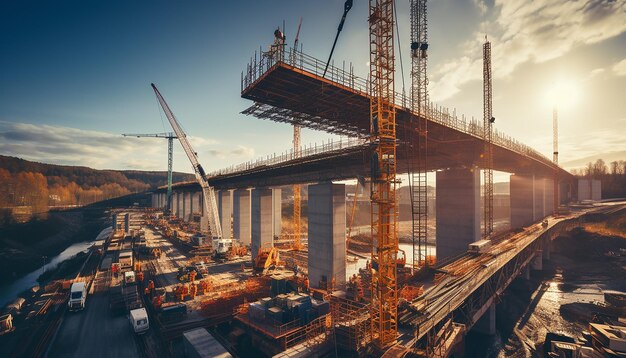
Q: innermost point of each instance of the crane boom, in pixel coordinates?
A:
(210, 204)
(151, 135)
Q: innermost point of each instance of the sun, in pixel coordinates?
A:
(563, 94)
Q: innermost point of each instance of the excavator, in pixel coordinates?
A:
(267, 257)
(220, 245)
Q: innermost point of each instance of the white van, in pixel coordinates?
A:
(78, 296)
(139, 320)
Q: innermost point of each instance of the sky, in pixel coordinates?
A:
(74, 75)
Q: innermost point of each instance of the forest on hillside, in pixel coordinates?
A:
(39, 186)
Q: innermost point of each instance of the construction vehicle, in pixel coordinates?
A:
(220, 244)
(139, 320)
(267, 257)
(78, 296)
(188, 273)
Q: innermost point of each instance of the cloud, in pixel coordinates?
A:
(530, 31)
(101, 150)
(480, 5)
(238, 151)
(620, 68)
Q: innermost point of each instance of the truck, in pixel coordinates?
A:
(139, 320)
(479, 246)
(126, 259)
(78, 296)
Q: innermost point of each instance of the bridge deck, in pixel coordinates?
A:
(464, 277)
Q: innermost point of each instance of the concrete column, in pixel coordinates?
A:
(225, 207)
(522, 200)
(458, 211)
(526, 272)
(548, 197)
(278, 211)
(180, 205)
(197, 206)
(153, 199)
(487, 323)
(174, 203)
(241, 216)
(262, 218)
(188, 206)
(327, 234)
(538, 187)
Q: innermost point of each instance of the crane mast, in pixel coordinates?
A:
(487, 138)
(384, 305)
(419, 131)
(170, 153)
(210, 204)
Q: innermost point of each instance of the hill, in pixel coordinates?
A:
(31, 187)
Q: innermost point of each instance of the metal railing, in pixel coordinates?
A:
(310, 150)
(263, 62)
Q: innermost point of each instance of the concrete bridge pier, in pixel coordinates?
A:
(458, 210)
(548, 197)
(263, 218)
(197, 206)
(278, 211)
(522, 196)
(175, 206)
(538, 201)
(487, 323)
(241, 216)
(546, 249)
(225, 209)
(187, 206)
(327, 234)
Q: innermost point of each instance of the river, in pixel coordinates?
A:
(10, 291)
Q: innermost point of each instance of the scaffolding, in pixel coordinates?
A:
(419, 130)
(297, 230)
(487, 137)
(384, 305)
(351, 323)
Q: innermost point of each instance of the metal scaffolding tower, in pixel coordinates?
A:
(297, 201)
(384, 306)
(418, 135)
(170, 152)
(488, 120)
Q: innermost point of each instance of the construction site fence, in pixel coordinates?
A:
(262, 62)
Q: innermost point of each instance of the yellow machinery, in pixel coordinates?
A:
(267, 257)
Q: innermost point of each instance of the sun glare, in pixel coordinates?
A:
(563, 94)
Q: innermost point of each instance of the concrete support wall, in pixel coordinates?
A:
(225, 208)
(589, 189)
(278, 211)
(197, 204)
(458, 211)
(538, 201)
(175, 203)
(187, 208)
(548, 197)
(537, 263)
(327, 234)
(262, 219)
(241, 216)
(180, 205)
(522, 200)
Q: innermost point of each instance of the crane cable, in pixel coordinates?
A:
(346, 7)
